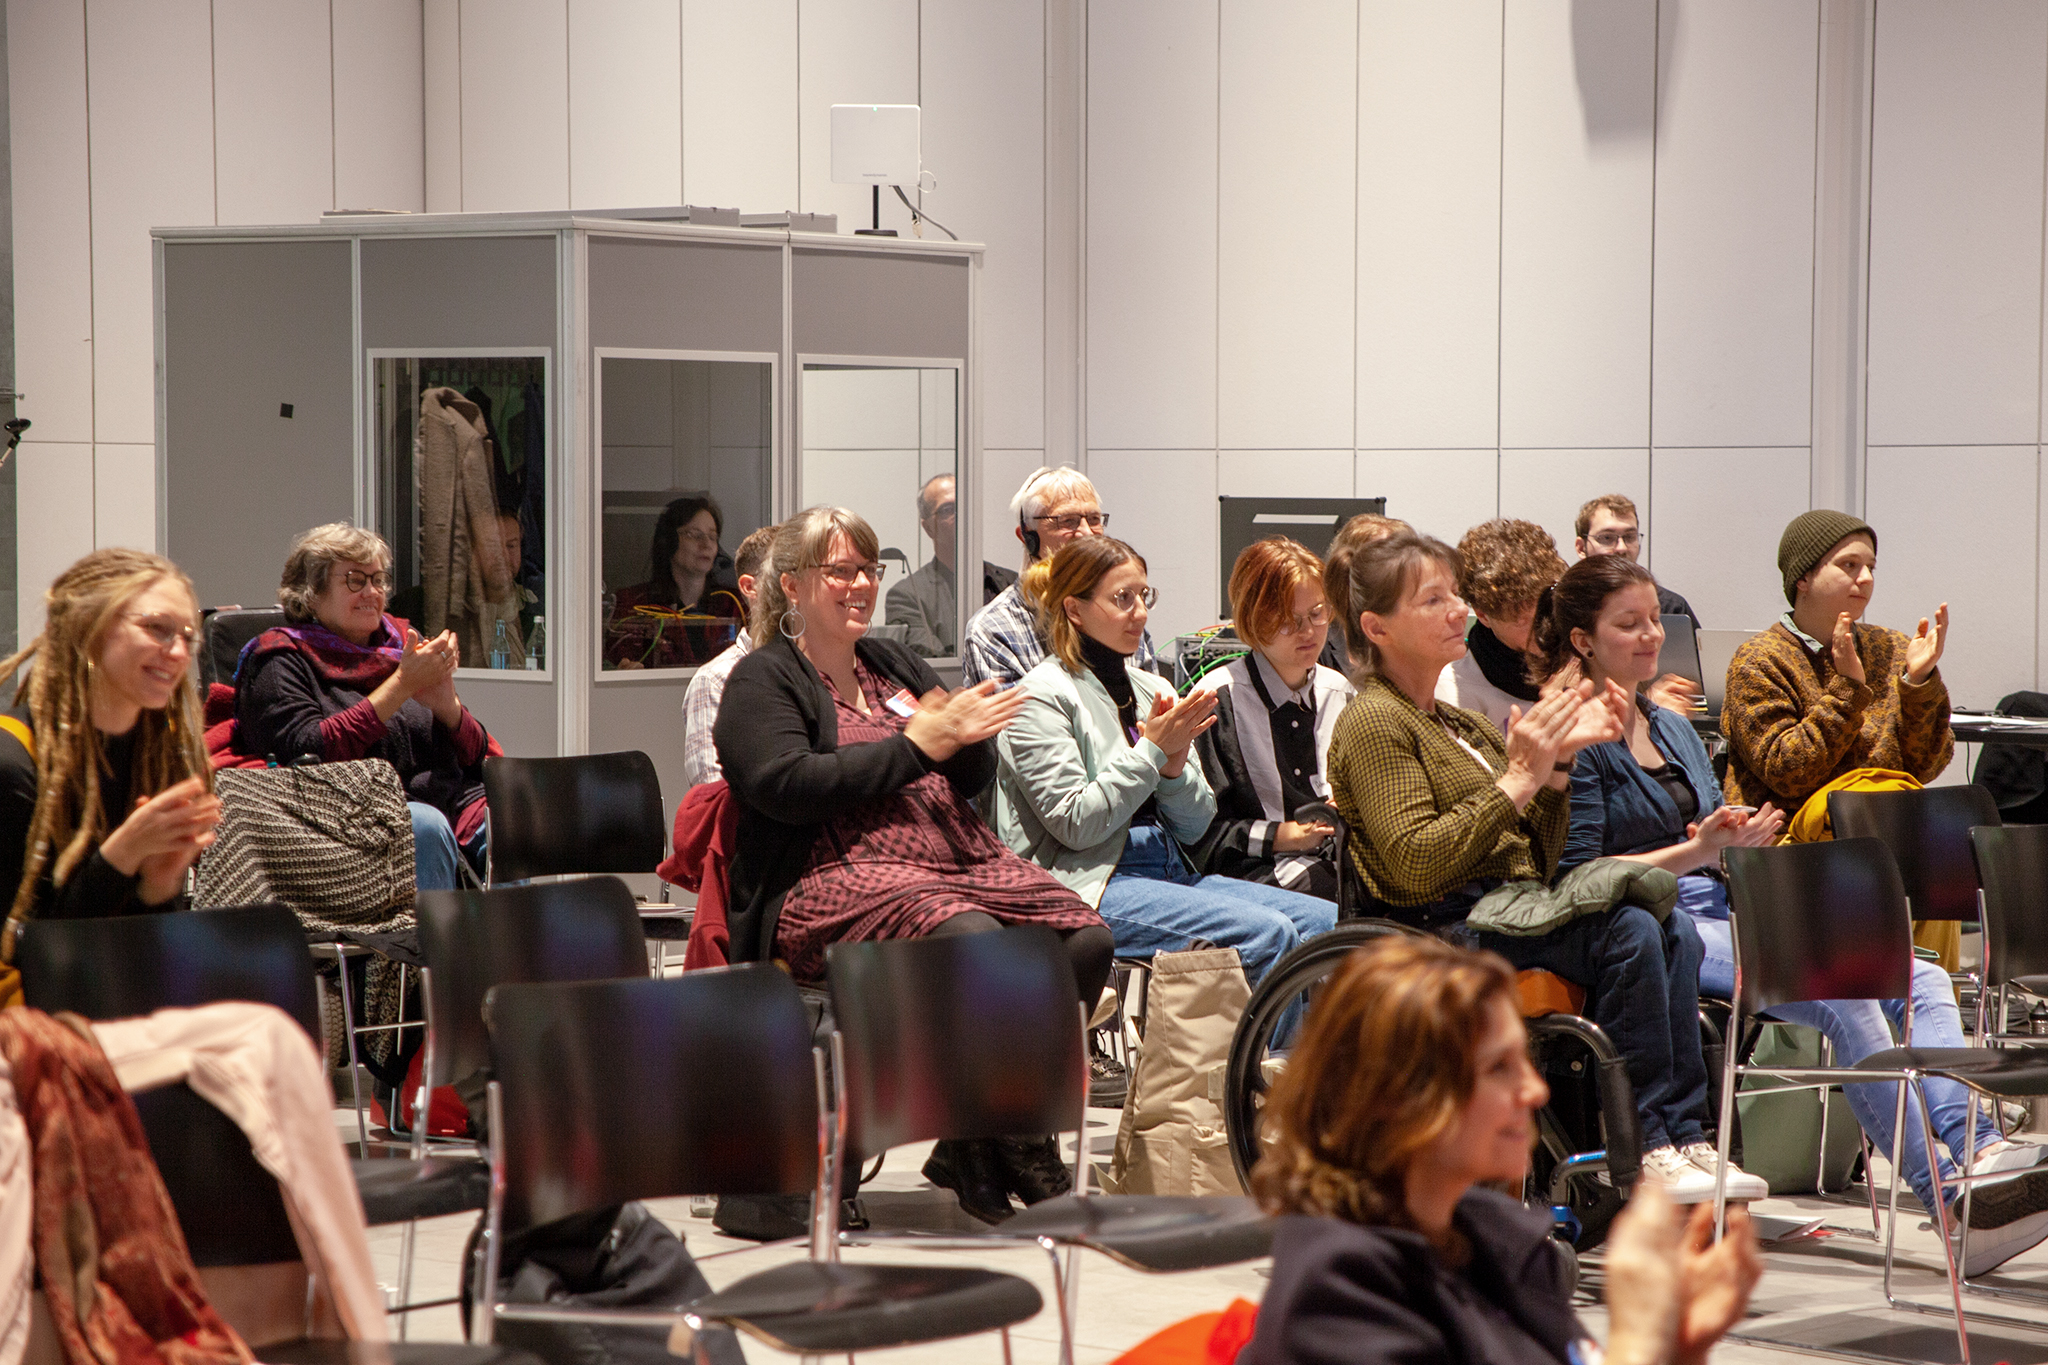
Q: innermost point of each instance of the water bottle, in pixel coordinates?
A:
(501, 647)
(2037, 1019)
(537, 642)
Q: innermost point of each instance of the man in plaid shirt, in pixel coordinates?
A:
(1053, 507)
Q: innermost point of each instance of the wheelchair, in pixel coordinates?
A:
(1589, 1144)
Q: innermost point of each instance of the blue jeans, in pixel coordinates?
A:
(1642, 989)
(1858, 1028)
(433, 849)
(1154, 904)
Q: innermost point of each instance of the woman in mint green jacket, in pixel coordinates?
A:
(1099, 781)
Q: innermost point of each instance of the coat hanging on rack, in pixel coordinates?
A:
(465, 581)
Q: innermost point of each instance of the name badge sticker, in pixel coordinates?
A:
(903, 704)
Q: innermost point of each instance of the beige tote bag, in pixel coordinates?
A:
(1172, 1139)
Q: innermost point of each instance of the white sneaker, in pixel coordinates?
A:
(1741, 1184)
(1683, 1181)
(2007, 1217)
(2005, 1155)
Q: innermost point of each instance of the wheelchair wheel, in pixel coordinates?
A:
(1251, 1047)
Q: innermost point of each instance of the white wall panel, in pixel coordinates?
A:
(983, 64)
(1002, 473)
(441, 62)
(1286, 315)
(1151, 305)
(151, 106)
(1549, 486)
(1578, 103)
(849, 52)
(1164, 506)
(515, 105)
(1719, 514)
(740, 104)
(124, 513)
(273, 109)
(625, 103)
(1438, 492)
(379, 108)
(1927, 503)
(1733, 350)
(1955, 222)
(52, 229)
(1428, 223)
(54, 490)
(1284, 474)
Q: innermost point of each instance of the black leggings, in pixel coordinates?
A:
(1089, 949)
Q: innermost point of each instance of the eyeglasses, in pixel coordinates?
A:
(843, 575)
(1074, 521)
(1295, 625)
(699, 537)
(1618, 540)
(166, 634)
(355, 580)
(1127, 600)
(944, 511)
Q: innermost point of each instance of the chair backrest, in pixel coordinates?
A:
(134, 964)
(584, 930)
(224, 632)
(1928, 832)
(228, 1206)
(618, 1090)
(2012, 862)
(965, 1035)
(568, 816)
(1822, 921)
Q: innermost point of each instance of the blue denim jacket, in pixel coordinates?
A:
(1619, 809)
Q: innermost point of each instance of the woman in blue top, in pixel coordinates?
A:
(1651, 796)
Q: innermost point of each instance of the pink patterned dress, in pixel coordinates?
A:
(908, 863)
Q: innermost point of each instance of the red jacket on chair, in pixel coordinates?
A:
(707, 825)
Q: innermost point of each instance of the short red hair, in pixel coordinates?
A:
(1263, 583)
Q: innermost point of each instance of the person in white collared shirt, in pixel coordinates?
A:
(707, 688)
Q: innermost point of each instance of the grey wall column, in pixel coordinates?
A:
(1066, 232)
(1841, 252)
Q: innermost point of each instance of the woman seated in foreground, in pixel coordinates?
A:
(1651, 796)
(1442, 811)
(1410, 1091)
(853, 769)
(340, 680)
(1276, 708)
(1100, 780)
(106, 796)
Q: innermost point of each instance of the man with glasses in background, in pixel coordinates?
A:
(1608, 525)
(926, 602)
(1003, 642)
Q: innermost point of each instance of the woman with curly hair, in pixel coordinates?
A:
(1506, 566)
(106, 796)
(1409, 1093)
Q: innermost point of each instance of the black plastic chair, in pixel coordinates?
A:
(1928, 832)
(1829, 921)
(614, 1090)
(131, 965)
(223, 633)
(980, 1036)
(577, 817)
(2012, 864)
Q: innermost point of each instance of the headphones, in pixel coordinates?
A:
(1024, 522)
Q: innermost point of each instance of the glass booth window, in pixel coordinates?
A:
(461, 498)
(688, 464)
(883, 441)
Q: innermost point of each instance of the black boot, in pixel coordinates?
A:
(1032, 1169)
(970, 1169)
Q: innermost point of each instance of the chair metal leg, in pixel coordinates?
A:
(1059, 1293)
(1006, 1347)
(1725, 1138)
(1820, 1157)
(355, 1065)
(1950, 1246)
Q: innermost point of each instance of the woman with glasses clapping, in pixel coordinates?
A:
(342, 680)
(1100, 783)
(1276, 709)
(106, 797)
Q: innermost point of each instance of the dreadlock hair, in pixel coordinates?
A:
(56, 687)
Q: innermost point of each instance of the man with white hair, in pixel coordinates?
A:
(1053, 507)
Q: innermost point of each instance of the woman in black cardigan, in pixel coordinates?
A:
(853, 769)
(1410, 1090)
(1276, 709)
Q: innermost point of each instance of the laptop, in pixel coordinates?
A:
(1716, 651)
(1681, 654)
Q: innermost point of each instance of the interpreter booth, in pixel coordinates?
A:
(532, 409)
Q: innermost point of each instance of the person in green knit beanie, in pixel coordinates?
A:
(1821, 693)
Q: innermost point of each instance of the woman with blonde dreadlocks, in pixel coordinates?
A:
(106, 795)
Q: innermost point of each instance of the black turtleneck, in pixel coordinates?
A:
(1112, 669)
(1505, 668)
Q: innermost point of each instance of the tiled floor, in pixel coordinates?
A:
(1823, 1293)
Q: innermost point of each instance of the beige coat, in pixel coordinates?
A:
(463, 575)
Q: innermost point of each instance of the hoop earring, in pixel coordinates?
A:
(783, 625)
